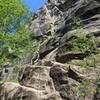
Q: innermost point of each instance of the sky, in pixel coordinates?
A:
(34, 4)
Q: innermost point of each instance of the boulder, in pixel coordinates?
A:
(14, 91)
(67, 78)
(76, 73)
(37, 77)
(63, 84)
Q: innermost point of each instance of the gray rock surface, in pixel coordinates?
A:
(54, 77)
(51, 78)
(67, 17)
(36, 77)
(14, 91)
(67, 14)
(54, 81)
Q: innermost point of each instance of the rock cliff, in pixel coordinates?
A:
(69, 31)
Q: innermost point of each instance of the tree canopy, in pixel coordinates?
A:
(14, 35)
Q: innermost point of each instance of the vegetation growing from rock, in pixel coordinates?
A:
(82, 43)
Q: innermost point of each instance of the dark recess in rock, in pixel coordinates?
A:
(63, 58)
(47, 47)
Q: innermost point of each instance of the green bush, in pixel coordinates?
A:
(82, 43)
(86, 88)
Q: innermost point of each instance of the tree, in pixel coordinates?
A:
(13, 14)
(15, 38)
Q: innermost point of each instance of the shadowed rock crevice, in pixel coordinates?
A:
(63, 58)
(63, 83)
(91, 13)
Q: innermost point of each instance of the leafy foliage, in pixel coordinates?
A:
(82, 43)
(87, 45)
(86, 88)
(15, 38)
(13, 14)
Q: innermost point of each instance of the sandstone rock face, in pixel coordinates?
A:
(54, 78)
(54, 81)
(36, 77)
(13, 91)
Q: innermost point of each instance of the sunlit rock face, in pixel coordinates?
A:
(54, 81)
(57, 2)
(67, 16)
(67, 13)
(14, 91)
